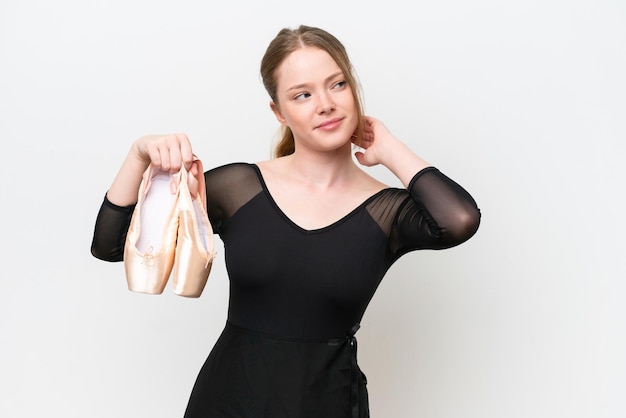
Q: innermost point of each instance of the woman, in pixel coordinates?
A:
(308, 236)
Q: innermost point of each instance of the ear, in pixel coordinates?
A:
(277, 113)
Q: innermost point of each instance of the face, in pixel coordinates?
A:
(314, 100)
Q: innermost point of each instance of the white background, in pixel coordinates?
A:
(522, 102)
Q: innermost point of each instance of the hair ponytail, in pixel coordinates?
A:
(286, 145)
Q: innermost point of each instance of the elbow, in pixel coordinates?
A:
(471, 222)
(107, 254)
(101, 255)
(464, 227)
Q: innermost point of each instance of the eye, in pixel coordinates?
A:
(340, 84)
(301, 96)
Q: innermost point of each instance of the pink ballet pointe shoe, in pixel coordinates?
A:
(194, 248)
(151, 240)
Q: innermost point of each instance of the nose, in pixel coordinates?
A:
(325, 104)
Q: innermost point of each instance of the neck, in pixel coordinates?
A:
(322, 169)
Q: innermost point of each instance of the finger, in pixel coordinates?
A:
(360, 157)
(194, 169)
(186, 151)
(180, 151)
(173, 150)
(155, 156)
(165, 158)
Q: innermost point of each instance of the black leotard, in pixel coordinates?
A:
(296, 295)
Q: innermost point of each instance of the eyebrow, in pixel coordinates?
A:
(330, 77)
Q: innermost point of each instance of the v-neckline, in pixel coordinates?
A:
(301, 229)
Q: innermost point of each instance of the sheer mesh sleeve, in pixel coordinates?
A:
(228, 188)
(436, 213)
(110, 231)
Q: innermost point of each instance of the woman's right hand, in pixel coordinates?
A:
(167, 152)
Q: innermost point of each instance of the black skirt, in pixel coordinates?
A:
(254, 375)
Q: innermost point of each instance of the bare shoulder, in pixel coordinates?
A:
(270, 165)
(273, 170)
(369, 184)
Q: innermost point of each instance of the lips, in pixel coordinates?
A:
(329, 124)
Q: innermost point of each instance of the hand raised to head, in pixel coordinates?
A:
(374, 140)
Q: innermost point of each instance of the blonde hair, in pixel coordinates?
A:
(287, 41)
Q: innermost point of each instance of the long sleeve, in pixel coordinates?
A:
(439, 214)
(110, 231)
(227, 188)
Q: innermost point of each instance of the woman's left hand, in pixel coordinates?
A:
(381, 147)
(375, 141)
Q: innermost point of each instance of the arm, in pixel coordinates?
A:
(441, 208)
(440, 213)
(169, 152)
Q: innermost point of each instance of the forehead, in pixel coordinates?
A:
(306, 65)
